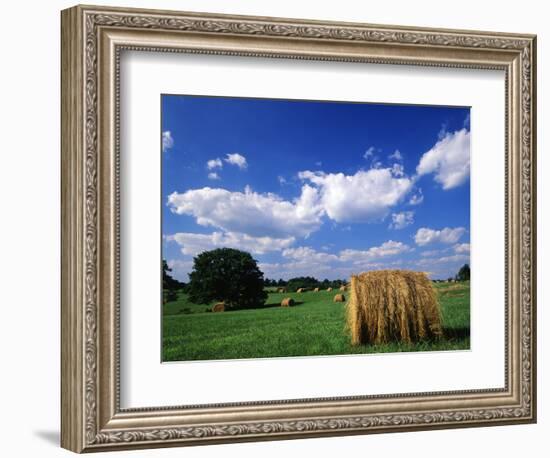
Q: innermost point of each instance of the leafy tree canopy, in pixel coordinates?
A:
(168, 282)
(227, 275)
(464, 273)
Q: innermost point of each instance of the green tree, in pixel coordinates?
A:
(302, 282)
(167, 280)
(170, 295)
(170, 285)
(464, 273)
(227, 275)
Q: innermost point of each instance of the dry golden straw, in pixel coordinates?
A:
(219, 307)
(287, 302)
(339, 298)
(393, 305)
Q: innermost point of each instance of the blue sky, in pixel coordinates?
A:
(316, 188)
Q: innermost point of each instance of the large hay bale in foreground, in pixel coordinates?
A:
(339, 298)
(393, 305)
(219, 307)
(287, 302)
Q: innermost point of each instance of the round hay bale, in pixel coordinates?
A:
(339, 298)
(287, 302)
(280, 290)
(393, 305)
(329, 289)
(343, 288)
(219, 307)
(300, 290)
(316, 290)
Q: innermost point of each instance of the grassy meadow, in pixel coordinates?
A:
(314, 326)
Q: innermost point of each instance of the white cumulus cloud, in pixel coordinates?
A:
(180, 269)
(167, 140)
(250, 212)
(213, 176)
(432, 253)
(452, 259)
(369, 152)
(462, 248)
(364, 197)
(302, 268)
(396, 155)
(425, 236)
(214, 164)
(448, 159)
(402, 219)
(236, 159)
(301, 261)
(389, 248)
(398, 170)
(308, 254)
(193, 244)
(417, 199)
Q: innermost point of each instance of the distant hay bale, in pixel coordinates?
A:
(316, 290)
(392, 305)
(219, 307)
(339, 298)
(300, 290)
(329, 289)
(280, 290)
(343, 288)
(287, 302)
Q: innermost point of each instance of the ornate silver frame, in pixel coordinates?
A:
(92, 39)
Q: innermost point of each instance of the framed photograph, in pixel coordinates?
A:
(277, 228)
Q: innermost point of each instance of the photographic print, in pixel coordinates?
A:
(313, 228)
(261, 196)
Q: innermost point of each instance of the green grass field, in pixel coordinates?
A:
(314, 326)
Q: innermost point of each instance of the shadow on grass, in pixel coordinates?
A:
(270, 305)
(207, 309)
(456, 333)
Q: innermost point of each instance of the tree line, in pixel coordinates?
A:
(303, 282)
(234, 277)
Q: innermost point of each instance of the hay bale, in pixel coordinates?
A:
(329, 289)
(316, 290)
(343, 288)
(300, 290)
(287, 302)
(393, 305)
(219, 307)
(339, 298)
(280, 290)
